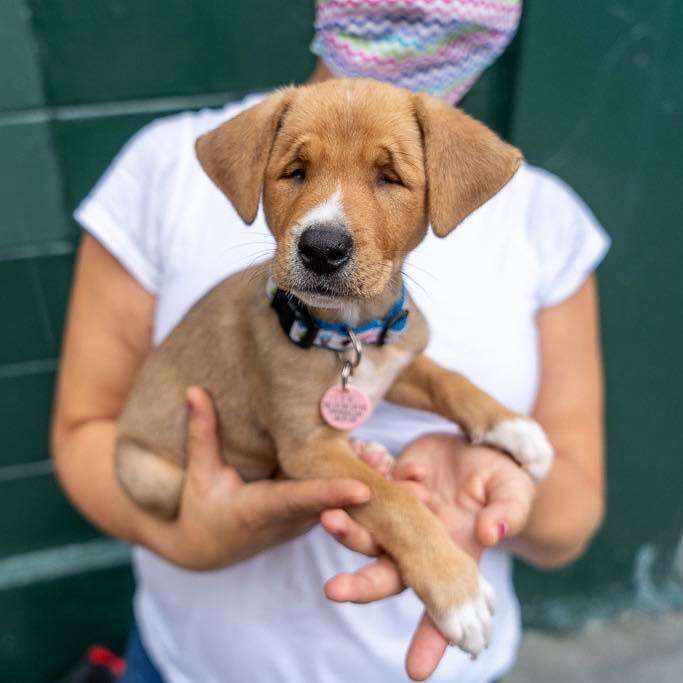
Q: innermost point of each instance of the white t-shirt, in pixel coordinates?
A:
(266, 620)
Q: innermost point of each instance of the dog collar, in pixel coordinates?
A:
(306, 331)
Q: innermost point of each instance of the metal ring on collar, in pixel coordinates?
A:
(357, 348)
(346, 372)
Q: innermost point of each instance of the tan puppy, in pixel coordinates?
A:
(351, 173)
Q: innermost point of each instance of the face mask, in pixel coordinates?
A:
(436, 46)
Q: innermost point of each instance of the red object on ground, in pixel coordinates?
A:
(100, 656)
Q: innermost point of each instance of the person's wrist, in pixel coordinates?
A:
(190, 548)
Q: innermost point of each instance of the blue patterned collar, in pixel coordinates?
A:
(306, 331)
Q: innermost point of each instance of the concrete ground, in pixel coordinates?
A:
(633, 649)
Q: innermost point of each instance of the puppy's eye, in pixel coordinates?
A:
(296, 173)
(388, 177)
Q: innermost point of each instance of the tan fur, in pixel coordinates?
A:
(235, 156)
(266, 390)
(427, 386)
(466, 162)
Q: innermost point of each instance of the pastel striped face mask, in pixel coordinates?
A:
(435, 46)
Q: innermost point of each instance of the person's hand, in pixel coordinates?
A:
(480, 494)
(222, 519)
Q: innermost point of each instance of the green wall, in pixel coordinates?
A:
(599, 101)
(594, 96)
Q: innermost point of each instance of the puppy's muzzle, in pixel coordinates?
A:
(325, 250)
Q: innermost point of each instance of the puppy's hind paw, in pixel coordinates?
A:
(468, 626)
(526, 442)
(375, 455)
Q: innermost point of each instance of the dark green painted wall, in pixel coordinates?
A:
(599, 101)
(595, 96)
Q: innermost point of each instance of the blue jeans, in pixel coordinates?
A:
(139, 667)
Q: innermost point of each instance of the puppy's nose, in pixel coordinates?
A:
(324, 250)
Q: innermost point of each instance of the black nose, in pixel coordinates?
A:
(324, 250)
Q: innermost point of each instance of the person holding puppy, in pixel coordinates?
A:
(520, 319)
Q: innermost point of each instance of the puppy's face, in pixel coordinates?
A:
(351, 173)
(344, 191)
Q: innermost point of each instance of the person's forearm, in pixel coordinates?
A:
(222, 520)
(567, 511)
(84, 461)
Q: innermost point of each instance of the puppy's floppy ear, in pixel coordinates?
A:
(235, 154)
(466, 163)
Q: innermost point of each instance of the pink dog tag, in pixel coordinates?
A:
(345, 407)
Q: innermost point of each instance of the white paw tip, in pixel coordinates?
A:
(373, 453)
(373, 447)
(468, 626)
(526, 442)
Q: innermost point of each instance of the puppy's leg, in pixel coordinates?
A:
(444, 577)
(428, 386)
(153, 482)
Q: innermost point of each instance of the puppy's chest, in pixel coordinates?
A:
(379, 368)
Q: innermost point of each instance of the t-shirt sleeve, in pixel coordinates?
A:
(567, 240)
(127, 210)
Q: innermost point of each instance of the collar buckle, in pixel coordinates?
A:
(288, 312)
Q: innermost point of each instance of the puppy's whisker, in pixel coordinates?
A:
(254, 259)
(258, 262)
(261, 254)
(259, 266)
(409, 264)
(257, 274)
(228, 250)
(421, 270)
(261, 243)
(417, 284)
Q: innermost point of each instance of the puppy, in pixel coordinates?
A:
(351, 174)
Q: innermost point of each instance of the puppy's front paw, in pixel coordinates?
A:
(469, 625)
(526, 442)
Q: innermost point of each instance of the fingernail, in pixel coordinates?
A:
(502, 530)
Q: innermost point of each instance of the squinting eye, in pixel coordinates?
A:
(296, 174)
(385, 178)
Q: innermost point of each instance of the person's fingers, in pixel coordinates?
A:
(375, 581)
(293, 499)
(408, 469)
(348, 532)
(506, 511)
(426, 650)
(423, 458)
(203, 449)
